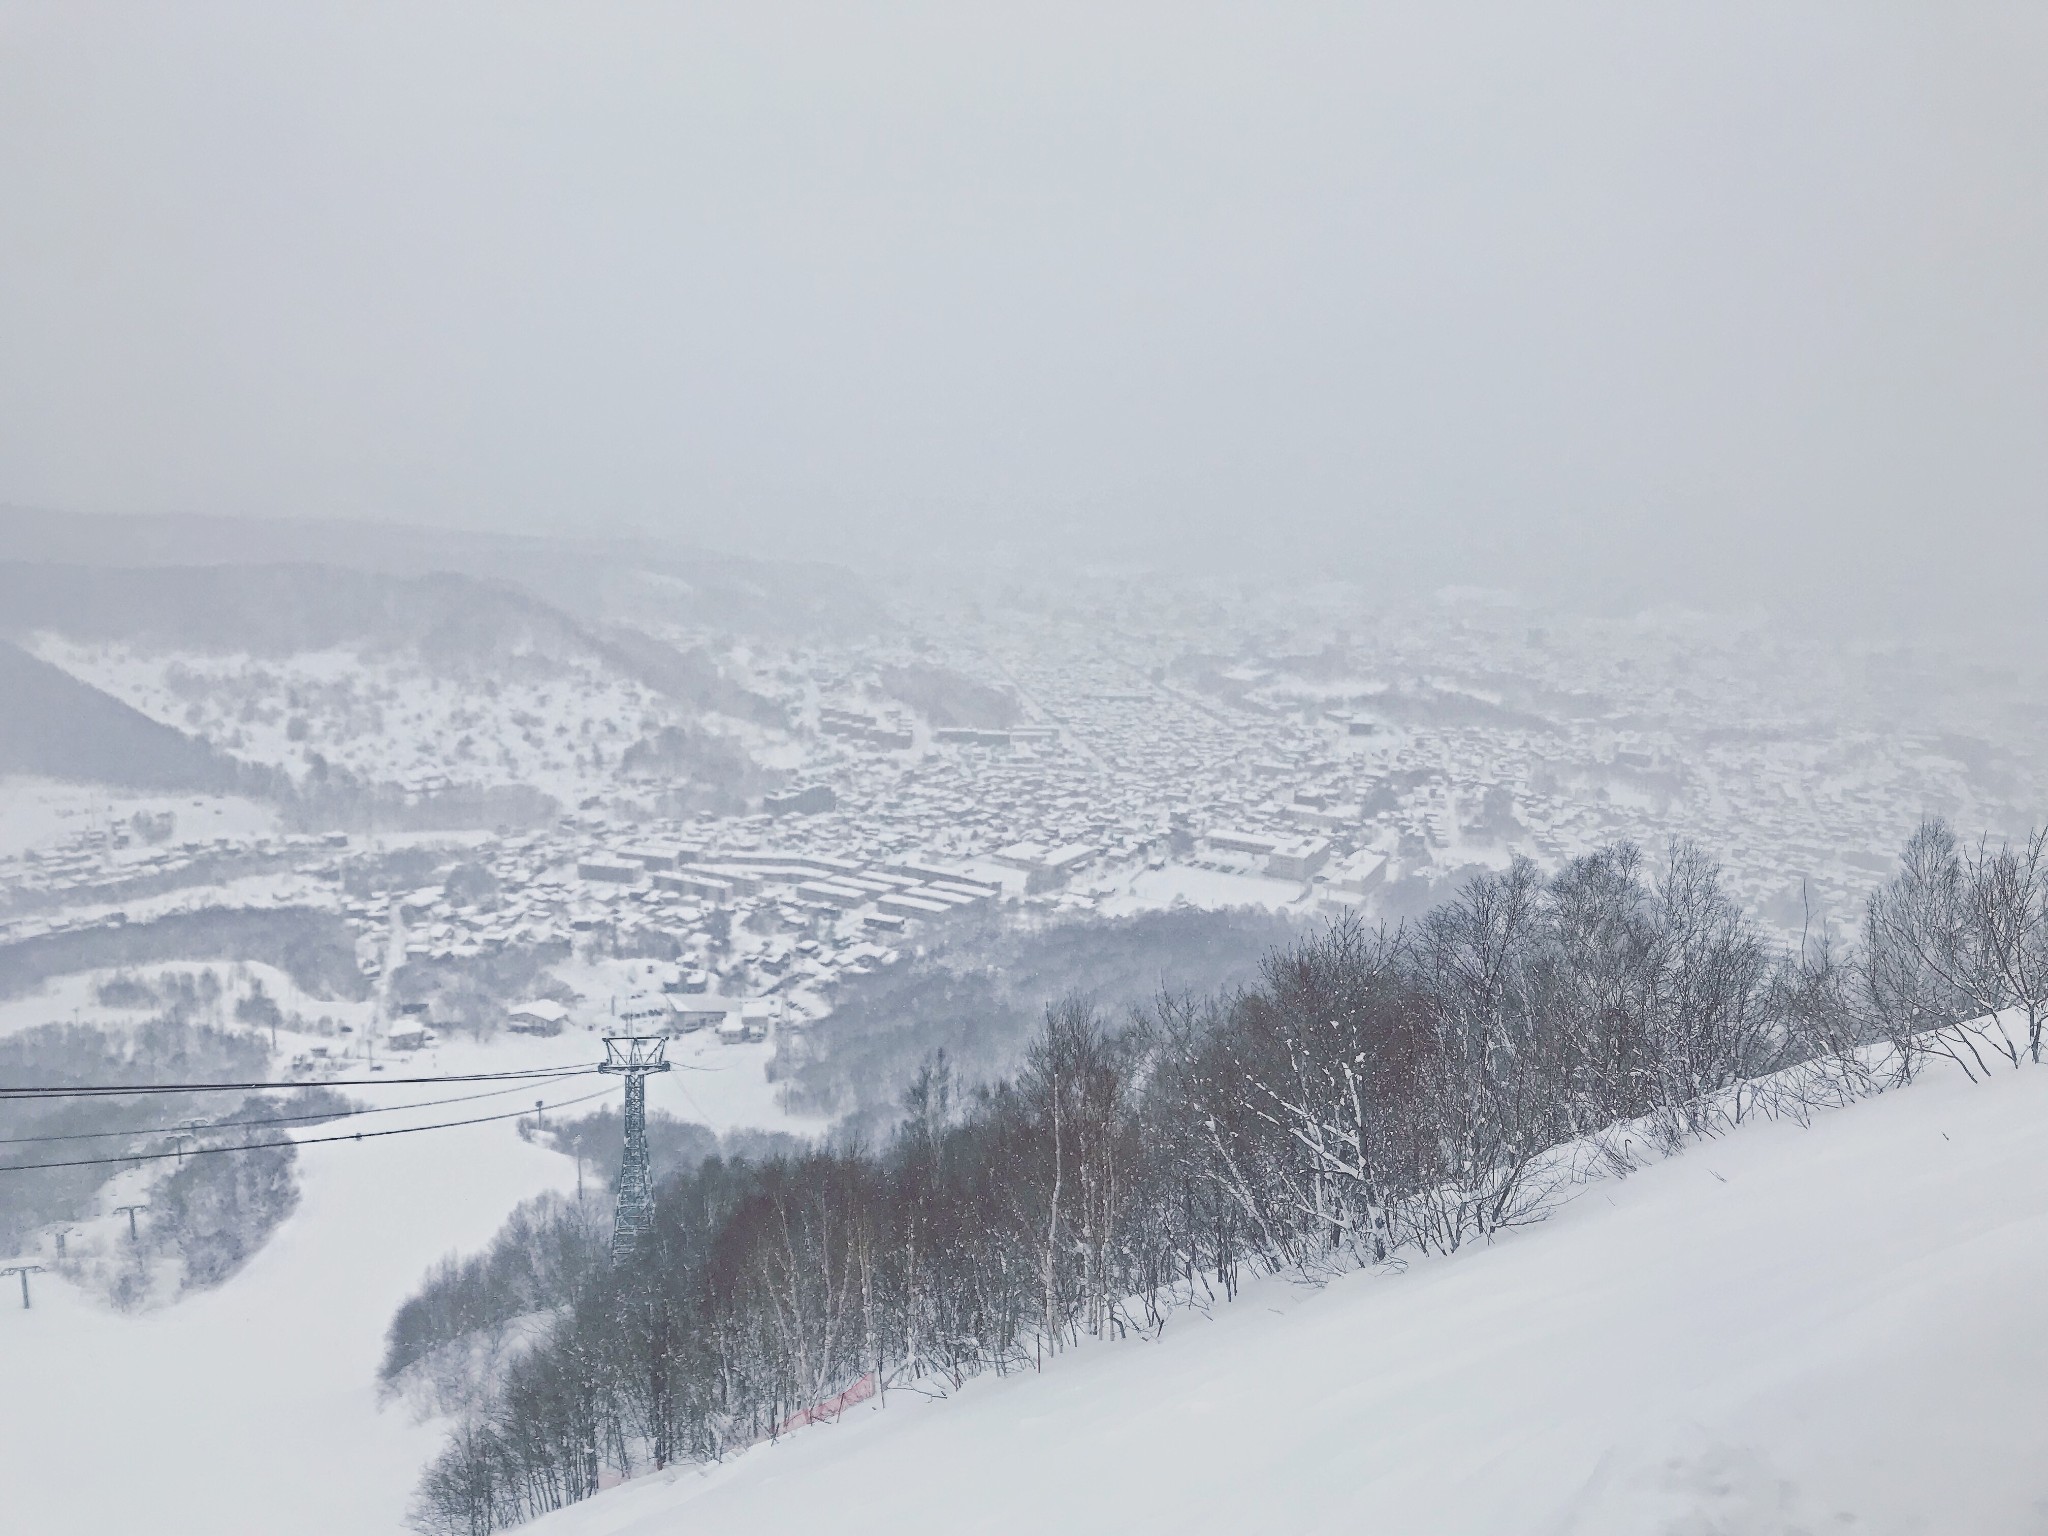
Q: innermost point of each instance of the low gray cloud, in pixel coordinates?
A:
(1706, 304)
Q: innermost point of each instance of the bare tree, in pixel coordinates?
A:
(1955, 938)
(2006, 917)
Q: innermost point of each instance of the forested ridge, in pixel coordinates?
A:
(1377, 1095)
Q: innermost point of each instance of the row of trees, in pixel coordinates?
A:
(1377, 1093)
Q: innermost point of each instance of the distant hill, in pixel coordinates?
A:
(276, 610)
(454, 623)
(54, 726)
(597, 580)
(980, 989)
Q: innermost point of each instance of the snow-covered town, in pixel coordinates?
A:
(1311, 758)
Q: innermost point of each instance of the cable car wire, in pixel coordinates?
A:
(116, 1090)
(332, 1114)
(296, 1141)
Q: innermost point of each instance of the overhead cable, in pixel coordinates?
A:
(299, 1141)
(331, 1114)
(117, 1090)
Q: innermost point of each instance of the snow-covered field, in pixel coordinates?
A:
(75, 999)
(37, 812)
(1782, 1331)
(722, 1086)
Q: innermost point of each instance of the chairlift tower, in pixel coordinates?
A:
(633, 1057)
(23, 1270)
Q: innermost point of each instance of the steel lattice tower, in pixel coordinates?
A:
(633, 1057)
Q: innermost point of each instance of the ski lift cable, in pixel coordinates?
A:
(332, 1114)
(117, 1090)
(300, 1141)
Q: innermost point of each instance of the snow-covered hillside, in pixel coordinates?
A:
(1835, 1329)
(252, 1410)
(385, 716)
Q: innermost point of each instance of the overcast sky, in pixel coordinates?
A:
(1708, 303)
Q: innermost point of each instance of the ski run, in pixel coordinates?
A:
(1777, 1331)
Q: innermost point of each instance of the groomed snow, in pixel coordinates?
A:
(252, 1409)
(1836, 1329)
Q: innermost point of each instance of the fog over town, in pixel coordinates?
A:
(1375, 676)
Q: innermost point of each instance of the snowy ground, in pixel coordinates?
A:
(1779, 1332)
(251, 1410)
(714, 1084)
(281, 888)
(37, 812)
(1784, 1331)
(74, 999)
(553, 725)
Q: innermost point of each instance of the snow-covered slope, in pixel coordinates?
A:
(252, 1409)
(1838, 1329)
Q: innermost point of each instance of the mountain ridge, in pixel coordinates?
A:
(55, 726)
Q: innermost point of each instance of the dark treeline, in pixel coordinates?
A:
(599, 1139)
(208, 1212)
(977, 988)
(447, 1337)
(315, 948)
(168, 1048)
(211, 1212)
(1375, 1094)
